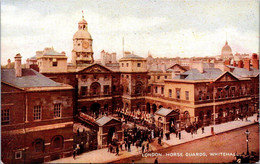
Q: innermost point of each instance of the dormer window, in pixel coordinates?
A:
(138, 64)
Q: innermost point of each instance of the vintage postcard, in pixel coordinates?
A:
(129, 81)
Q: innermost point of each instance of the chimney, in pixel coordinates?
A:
(240, 64)
(255, 61)
(247, 64)
(8, 63)
(28, 63)
(18, 65)
(234, 63)
(227, 62)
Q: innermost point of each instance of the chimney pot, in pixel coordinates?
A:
(18, 65)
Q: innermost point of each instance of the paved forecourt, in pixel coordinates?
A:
(103, 156)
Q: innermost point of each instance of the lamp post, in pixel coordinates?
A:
(247, 134)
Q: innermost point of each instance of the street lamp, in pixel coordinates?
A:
(247, 134)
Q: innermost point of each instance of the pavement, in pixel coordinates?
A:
(103, 156)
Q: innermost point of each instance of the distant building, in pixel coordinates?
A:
(226, 52)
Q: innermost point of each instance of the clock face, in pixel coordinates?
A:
(85, 44)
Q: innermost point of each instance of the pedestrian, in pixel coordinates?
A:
(191, 133)
(74, 154)
(117, 151)
(156, 161)
(143, 149)
(121, 146)
(246, 118)
(179, 135)
(111, 149)
(257, 117)
(162, 134)
(133, 162)
(202, 129)
(147, 146)
(108, 147)
(125, 145)
(159, 140)
(129, 146)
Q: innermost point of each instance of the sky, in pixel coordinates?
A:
(165, 28)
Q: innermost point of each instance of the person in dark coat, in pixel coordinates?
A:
(74, 154)
(156, 161)
(125, 145)
(129, 146)
(162, 134)
(159, 140)
(143, 149)
(147, 146)
(117, 151)
(179, 135)
(202, 129)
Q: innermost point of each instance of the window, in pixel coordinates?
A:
(138, 64)
(106, 89)
(165, 77)
(149, 77)
(126, 64)
(233, 91)
(37, 112)
(127, 90)
(149, 89)
(95, 77)
(158, 77)
(39, 145)
(170, 93)
(57, 142)
(18, 155)
(113, 88)
(5, 116)
(83, 77)
(122, 76)
(106, 77)
(54, 64)
(57, 110)
(208, 96)
(162, 90)
(156, 89)
(187, 95)
(122, 64)
(127, 76)
(84, 90)
(200, 95)
(178, 94)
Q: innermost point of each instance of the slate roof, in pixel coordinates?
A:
(52, 52)
(163, 111)
(132, 56)
(103, 120)
(194, 74)
(243, 72)
(30, 78)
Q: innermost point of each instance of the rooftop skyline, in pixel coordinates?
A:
(164, 28)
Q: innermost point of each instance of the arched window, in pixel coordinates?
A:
(57, 142)
(95, 88)
(138, 88)
(39, 145)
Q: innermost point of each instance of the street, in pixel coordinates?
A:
(215, 149)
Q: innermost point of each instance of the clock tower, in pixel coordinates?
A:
(82, 53)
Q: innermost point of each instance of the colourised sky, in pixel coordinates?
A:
(165, 28)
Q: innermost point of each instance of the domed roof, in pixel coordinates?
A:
(226, 48)
(82, 34)
(83, 21)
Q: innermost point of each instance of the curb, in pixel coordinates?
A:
(186, 142)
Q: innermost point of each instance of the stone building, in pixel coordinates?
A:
(201, 90)
(36, 116)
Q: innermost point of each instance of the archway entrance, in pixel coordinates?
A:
(94, 109)
(172, 125)
(110, 135)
